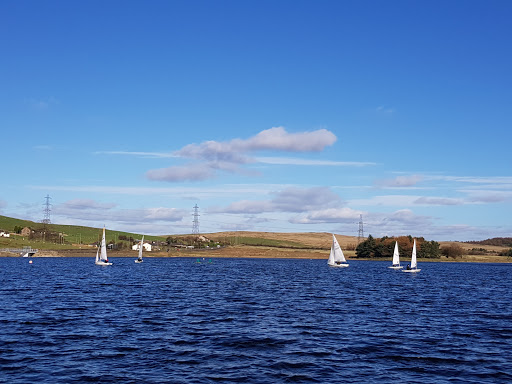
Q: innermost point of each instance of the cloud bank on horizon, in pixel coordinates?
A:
(300, 207)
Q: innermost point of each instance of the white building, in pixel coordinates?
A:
(4, 234)
(145, 246)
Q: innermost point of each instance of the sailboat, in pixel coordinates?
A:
(139, 259)
(336, 257)
(414, 265)
(396, 258)
(101, 253)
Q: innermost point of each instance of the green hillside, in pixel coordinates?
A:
(64, 236)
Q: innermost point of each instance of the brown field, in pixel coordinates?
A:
(469, 246)
(319, 240)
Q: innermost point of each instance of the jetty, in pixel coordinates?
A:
(23, 252)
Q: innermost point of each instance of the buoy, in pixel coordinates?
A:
(30, 261)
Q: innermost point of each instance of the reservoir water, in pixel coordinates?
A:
(174, 320)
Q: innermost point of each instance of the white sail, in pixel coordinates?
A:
(396, 258)
(336, 257)
(396, 255)
(139, 259)
(330, 261)
(413, 258)
(101, 254)
(338, 253)
(414, 265)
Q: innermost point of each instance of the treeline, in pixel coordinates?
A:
(383, 247)
(496, 241)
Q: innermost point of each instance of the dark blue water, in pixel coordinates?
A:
(66, 320)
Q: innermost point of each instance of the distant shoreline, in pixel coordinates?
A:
(255, 253)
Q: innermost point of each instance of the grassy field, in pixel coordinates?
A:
(312, 245)
(71, 236)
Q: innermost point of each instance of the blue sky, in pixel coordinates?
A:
(286, 116)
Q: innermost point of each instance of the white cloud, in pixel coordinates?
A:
(271, 139)
(278, 139)
(399, 181)
(228, 156)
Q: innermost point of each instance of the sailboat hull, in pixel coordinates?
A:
(411, 270)
(138, 261)
(396, 267)
(338, 265)
(102, 263)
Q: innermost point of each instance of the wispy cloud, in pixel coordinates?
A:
(195, 172)
(406, 222)
(424, 200)
(84, 204)
(397, 223)
(384, 110)
(97, 212)
(385, 200)
(159, 155)
(399, 181)
(298, 161)
(43, 147)
(42, 104)
(496, 180)
(329, 215)
(291, 199)
(182, 192)
(309, 205)
(489, 196)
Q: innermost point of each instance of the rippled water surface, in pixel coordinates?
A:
(65, 320)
